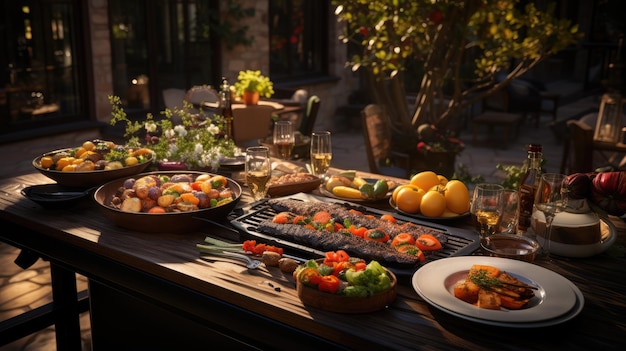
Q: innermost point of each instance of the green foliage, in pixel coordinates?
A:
(462, 173)
(254, 81)
(461, 46)
(514, 175)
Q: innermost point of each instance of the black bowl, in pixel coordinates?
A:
(54, 195)
(88, 179)
(174, 222)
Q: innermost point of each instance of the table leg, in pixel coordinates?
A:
(65, 299)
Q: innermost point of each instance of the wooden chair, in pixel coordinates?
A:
(251, 124)
(578, 150)
(377, 134)
(310, 116)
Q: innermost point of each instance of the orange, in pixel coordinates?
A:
(425, 180)
(457, 197)
(409, 199)
(433, 204)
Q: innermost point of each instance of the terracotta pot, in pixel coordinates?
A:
(250, 98)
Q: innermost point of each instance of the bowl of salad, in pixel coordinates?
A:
(344, 284)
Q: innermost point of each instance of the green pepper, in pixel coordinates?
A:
(380, 189)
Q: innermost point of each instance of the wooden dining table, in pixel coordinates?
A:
(153, 291)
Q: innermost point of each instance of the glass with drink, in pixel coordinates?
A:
(321, 152)
(258, 170)
(486, 209)
(284, 139)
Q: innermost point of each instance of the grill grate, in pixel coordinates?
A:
(460, 242)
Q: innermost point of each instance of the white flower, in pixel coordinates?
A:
(151, 127)
(169, 133)
(180, 130)
(213, 129)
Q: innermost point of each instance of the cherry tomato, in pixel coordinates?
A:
(328, 283)
(403, 238)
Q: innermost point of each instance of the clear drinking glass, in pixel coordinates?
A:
(550, 199)
(258, 170)
(284, 139)
(321, 152)
(510, 211)
(486, 210)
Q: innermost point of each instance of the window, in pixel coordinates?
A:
(39, 62)
(158, 45)
(298, 39)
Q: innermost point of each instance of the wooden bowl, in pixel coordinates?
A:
(175, 222)
(345, 304)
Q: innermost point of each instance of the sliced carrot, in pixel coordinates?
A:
(322, 217)
(299, 220)
(388, 217)
(189, 197)
(281, 218)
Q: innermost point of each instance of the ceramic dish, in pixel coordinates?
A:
(372, 181)
(54, 195)
(88, 179)
(608, 234)
(426, 218)
(173, 222)
(555, 300)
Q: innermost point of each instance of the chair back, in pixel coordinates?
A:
(251, 123)
(173, 98)
(308, 120)
(377, 135)
(580, 147)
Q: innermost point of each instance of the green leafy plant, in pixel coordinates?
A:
(254, 81)
(196, 141)
(457, 47)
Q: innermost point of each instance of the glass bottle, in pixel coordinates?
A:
(528, 186)
(226, 108)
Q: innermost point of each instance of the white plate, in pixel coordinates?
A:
(555, 299)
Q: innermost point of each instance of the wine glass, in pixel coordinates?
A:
(486, 209)
(284, 139)
(258, 169)
(321, 152)
(550, 198)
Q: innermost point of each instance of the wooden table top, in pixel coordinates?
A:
(82, 238)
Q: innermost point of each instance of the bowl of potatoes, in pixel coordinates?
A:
(93, 163)
(168, 201)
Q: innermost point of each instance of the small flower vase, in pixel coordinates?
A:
(251, 98)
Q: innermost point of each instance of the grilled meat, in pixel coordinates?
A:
(332, 241)
(340, 213)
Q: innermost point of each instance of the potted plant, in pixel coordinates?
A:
(251, 85)
(457, 52)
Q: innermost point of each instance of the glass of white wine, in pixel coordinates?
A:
(321, 152)
(258, 169)
(486, 209)
(550, 198)
(284, 139)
